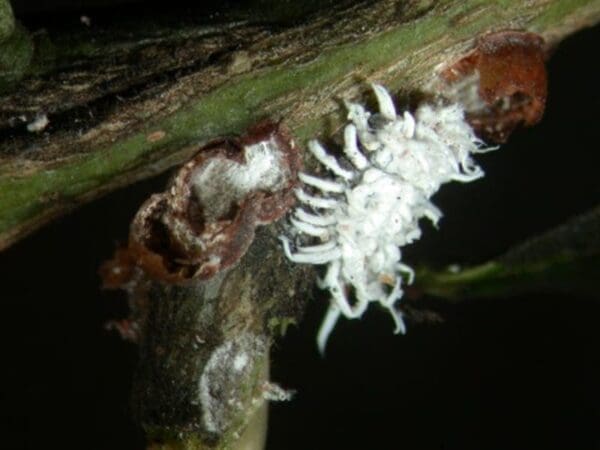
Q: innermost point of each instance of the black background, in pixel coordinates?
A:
(518, 373)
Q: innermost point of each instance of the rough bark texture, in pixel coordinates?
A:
(124, 103)
(204, 348)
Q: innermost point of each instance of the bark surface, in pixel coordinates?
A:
(130, 100)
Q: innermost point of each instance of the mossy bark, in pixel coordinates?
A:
(16, 48)
(125, 103)
(7, 20)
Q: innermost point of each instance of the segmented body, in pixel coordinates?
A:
(357, 220)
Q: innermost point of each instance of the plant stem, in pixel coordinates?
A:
(125, 106)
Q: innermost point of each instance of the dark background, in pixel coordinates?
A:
(518, 373)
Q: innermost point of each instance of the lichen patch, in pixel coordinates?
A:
(223, 386)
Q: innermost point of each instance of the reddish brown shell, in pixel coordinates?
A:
(174, 239)
(512, 81)
(118, 271)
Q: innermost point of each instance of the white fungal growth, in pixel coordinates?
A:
(356, 221)
(230, 181)
(222, 388)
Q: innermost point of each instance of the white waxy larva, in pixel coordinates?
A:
(315, 202)
(323, 185)
(310, 229)
(356, 221)
(328, 161)
(351, 148)
(313, 219)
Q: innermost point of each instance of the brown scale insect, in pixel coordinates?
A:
(512, 82)
(205, 220)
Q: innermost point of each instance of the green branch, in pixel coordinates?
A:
(109, 128)
(7, 20)
(566, 258)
